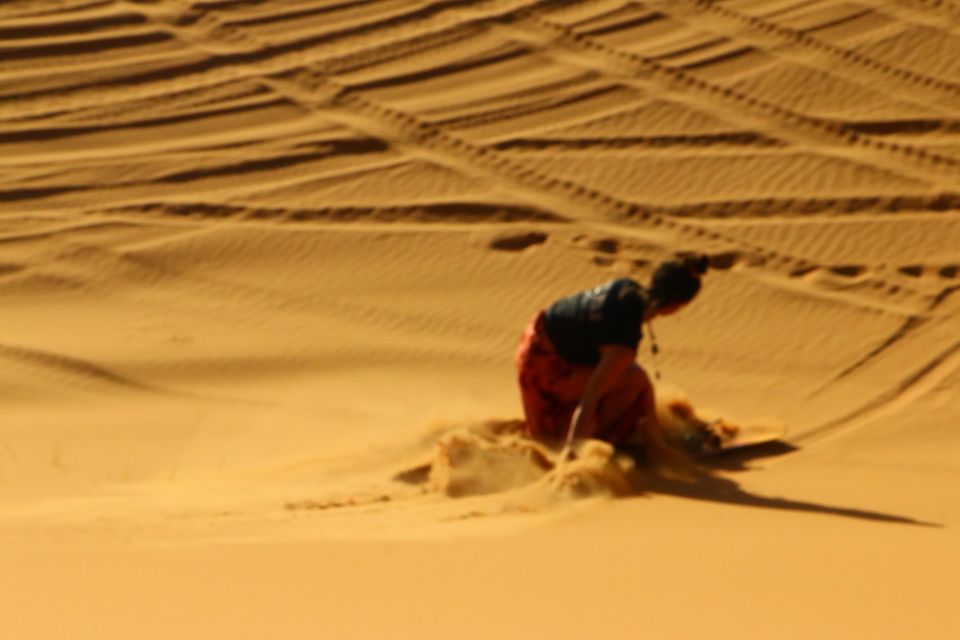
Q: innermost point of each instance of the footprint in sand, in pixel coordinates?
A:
(518, 241)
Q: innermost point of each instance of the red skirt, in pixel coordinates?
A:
(550, 388)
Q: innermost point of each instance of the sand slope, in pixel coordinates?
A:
(263, 263)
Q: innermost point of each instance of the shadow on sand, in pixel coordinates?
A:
(712, 487)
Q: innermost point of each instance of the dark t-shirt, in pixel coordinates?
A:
(580, 324)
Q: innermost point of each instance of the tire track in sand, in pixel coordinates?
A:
(910, 160)
(907, 391)
(240, 57)
(941, 8)
(315, 88)
(914, 86)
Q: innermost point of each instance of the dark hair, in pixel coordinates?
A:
(678, 281)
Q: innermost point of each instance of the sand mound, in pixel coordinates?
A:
(469, 462)
(491, 459)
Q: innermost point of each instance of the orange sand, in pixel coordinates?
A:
(259, 258)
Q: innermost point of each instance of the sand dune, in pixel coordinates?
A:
(263, 267)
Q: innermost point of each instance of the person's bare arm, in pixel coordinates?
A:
(614, 362)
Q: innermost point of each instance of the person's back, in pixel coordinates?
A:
(611, 313)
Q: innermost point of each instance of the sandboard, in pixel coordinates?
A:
(719, 437)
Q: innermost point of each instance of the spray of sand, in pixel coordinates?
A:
(487, 459)
(495, 456)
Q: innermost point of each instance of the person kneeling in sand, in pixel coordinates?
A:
(576, 361)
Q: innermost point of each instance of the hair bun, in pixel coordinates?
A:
(677, 281)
